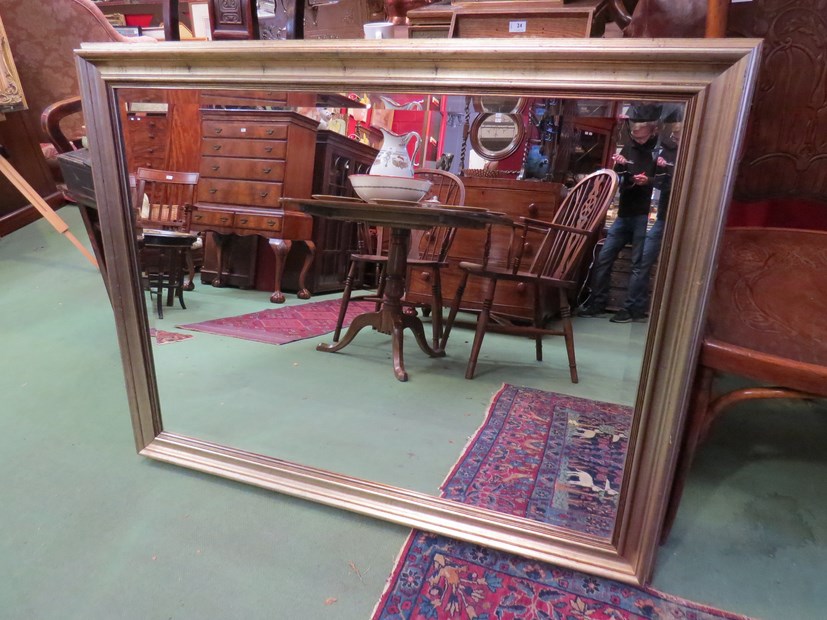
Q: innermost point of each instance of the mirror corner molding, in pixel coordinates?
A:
(714, 78)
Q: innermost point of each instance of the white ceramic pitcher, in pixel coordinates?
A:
(393, 159)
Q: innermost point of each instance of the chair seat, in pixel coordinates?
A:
(520, 276)
(792, 374)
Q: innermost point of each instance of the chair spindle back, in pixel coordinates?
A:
(566, 239)
(164, 198)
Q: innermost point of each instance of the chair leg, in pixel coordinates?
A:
(452, 315)
(538, 324)
(340, 321)
(482, 324)
(436, 307)
(701, 391)
(380, 287)
(568, 333)
(190, 284)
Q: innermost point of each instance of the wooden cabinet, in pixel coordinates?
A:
(249, 160)
(342, 19)
(147, 138)
(511, 18)
(336, 158)
(533, 199)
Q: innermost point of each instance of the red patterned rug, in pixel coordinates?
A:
(437, 578)
(164, 337)
(282, 325)
(548, 457)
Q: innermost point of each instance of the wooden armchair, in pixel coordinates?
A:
(429, 252)
(560, 248)
(767, 323)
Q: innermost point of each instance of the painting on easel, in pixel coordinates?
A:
(11, 94)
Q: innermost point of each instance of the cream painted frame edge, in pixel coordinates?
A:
(715, 78)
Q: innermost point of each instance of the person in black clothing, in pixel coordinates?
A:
(636, 167)
(668, 153)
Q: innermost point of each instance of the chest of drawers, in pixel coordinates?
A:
(249, 160)
(146, 135)
(515, 198)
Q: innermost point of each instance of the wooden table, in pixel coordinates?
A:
(401, 219)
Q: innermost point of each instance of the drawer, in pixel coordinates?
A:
(225, 97)
(224, 191)
(259, 222)
(256, 149)
(212, 218)
(253, 131)
(248, 169)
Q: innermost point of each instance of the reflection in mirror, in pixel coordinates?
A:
(519, 438)
(496, 136)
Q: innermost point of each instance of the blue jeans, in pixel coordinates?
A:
(637, 300)
(624, 230)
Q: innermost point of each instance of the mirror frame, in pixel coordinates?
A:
(510, 149)
(715, 78)
(481, 106)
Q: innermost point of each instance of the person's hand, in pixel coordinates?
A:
(619, 159)
(640, 179)
(662, 163)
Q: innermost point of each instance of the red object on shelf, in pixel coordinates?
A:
(139, 19)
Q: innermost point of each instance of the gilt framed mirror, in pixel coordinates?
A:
(339, 428)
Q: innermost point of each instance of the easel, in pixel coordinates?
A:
(12, 100)
(41, 205)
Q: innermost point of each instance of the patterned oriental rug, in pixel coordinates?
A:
(282, 325)
(438, 578)
(549, 457)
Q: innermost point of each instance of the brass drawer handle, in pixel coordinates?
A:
(224, 219)
(243, 220)
(266, 170)
(213, 190)
(268, 149)
(198, 216)
(271, 223)
(215, 166)
(263, 194)
(270, 132)
(219, 129)
(216, 147)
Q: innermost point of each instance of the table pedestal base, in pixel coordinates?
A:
(391, 319)
(387, 322)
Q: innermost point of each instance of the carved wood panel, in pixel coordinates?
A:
(233, 19)
(785, 152)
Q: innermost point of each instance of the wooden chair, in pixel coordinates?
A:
(428, 253)
(560, 248)
(766, 322)
(163, 201)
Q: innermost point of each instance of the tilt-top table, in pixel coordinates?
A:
(401, 219)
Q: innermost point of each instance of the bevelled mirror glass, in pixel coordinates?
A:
(275, 130)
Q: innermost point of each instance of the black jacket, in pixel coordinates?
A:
(636, 199)
(663, 178)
